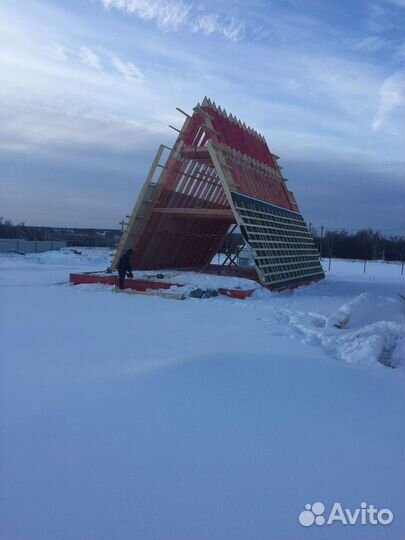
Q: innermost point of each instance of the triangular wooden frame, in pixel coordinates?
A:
(181, 217)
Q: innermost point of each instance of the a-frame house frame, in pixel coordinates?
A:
(218, 173)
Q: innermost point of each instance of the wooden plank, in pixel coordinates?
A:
(126, 240)
(173, 296)
(205, 213)
(228, 184)
(183, 112)
(195, 152)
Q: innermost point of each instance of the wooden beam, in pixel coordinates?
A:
(210, 129)
(127, 235)
(198, 213)
(148, 292)
(195, 152)
(183, 112)
(203, 113)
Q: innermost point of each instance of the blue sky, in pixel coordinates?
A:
(89, 87)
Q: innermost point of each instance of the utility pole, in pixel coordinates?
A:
(331, 252)
(321, 242)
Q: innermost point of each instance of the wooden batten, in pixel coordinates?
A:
(195, 152)
(197, 213)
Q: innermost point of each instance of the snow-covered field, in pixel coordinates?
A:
(134, 418)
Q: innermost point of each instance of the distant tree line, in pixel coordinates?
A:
(9, 230)
(74, 237)
(364, 244)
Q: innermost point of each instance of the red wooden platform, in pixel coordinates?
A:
(146, 284)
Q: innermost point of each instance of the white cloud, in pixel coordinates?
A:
(39, 128)
(174, 14)
(213, 24)
(384, 16)
(57, 51)
(128, 70)
(89, 58)
(392, 97)
(68, 101)
(399, 3)
(168, 14)
(371, 44)
(294, 92)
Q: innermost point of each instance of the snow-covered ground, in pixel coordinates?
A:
(134, 418)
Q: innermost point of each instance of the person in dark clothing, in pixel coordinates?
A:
(124, 267)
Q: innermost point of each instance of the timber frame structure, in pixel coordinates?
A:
(219, 173)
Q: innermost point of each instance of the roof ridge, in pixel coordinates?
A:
(207, 102)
